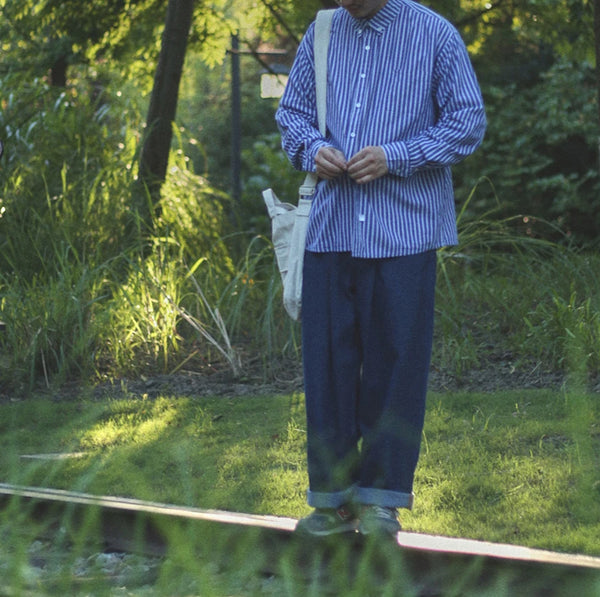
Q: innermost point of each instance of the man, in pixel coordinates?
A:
(403, 105)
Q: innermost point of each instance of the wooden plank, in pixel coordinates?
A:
(409, 541)
(140, 506)
(459, 546)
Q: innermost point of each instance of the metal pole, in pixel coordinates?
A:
(597, 52)
(236, 127)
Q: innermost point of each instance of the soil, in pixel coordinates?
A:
(498, 374)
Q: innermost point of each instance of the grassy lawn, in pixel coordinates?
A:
(515, 467)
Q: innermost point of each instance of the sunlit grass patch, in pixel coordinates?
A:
(504, 467)
(240, 454)
(514, 467)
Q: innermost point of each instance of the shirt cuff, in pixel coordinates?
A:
(310, 153)
(398, 159)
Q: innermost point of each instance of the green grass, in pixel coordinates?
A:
(516, 467)
(241, 454)
(88, 294)
(509, 467)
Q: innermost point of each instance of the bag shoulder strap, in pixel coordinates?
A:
(322, 30)
(321, 47)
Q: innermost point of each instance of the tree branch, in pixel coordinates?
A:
(277, 16)
(475, 16)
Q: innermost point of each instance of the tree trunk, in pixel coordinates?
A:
(154, 156)
(58, 72)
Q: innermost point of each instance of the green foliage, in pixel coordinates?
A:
(541, 153)
(203, 286)
(74, 267)
(138, 323)
(505, 293)
(571, 321)
(206, 122)
(50, 325)
(565, 25)
(51, 36)
(194, 217)
(38, 37)
(268, 167)
(68, 163)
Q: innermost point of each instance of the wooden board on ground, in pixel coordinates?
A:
(411, 541)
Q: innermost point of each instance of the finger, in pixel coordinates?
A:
(335, 158)
(330, 162)
(359, 168)
(368, 164)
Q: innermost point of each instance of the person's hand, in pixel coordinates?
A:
(330, 163)
(368, 164)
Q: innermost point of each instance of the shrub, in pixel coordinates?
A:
(540, 152)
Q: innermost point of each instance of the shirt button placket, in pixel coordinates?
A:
(365, 63)
(355, 115)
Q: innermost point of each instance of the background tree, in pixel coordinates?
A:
(47, 37)
(163, 101)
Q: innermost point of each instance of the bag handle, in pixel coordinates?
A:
(321, 47)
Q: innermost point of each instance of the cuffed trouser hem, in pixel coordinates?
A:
(361, 495)
(318, 499)
(383, 497)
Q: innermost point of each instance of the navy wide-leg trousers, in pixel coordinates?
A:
(367, 329)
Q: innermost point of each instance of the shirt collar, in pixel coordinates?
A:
(381, 20)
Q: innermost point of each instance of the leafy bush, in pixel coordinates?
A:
(73, 257)
(68, 177)
(541, 153)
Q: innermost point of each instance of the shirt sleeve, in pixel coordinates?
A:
(296, 115)
(461, 121)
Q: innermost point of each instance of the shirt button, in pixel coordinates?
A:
(361, 217)
(367, 48)
(358, 105)
(362, 75)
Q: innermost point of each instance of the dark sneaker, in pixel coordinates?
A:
(379, 520)
(327, 521)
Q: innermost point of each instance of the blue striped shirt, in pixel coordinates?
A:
(401, 80)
